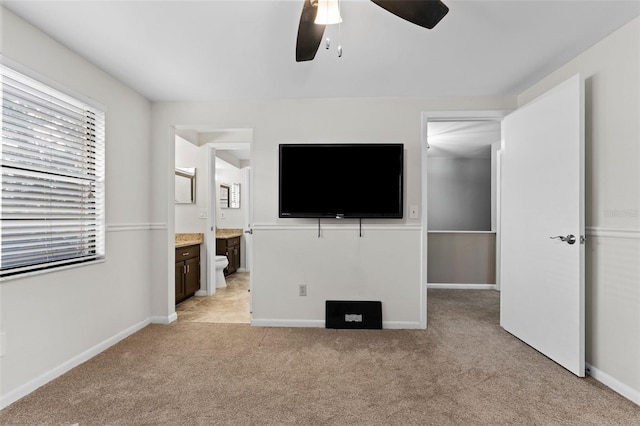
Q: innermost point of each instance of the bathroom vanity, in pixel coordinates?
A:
(187, 265)
(228, 244)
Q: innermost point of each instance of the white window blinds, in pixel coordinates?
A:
(52, 210)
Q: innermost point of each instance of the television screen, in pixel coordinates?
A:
(341, 181)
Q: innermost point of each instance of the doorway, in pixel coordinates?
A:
(460, 180)
(222, 213)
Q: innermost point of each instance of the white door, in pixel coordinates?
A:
(542, 225)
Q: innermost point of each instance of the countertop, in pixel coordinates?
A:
(225, 233)
(187, 239)
(184, 240)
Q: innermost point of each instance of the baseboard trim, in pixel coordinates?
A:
(58, 371)
(164, 320)
(287, 323)
(402, 325)
(452, 286)
(614, 384)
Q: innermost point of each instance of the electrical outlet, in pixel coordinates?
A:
(302, 290)
(413, 211)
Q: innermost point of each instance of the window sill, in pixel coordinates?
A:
(50, 270)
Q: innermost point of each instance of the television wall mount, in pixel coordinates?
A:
(339, 216)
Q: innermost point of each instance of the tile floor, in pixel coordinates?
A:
(228, 305)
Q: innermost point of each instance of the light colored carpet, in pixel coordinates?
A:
(463, 370)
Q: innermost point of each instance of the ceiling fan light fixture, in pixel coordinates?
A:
(328, 12)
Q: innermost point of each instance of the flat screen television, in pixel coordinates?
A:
(341, 180)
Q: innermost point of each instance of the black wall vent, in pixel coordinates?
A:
(353, 314)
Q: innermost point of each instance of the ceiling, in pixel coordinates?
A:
(462, 139)
(209, 50)
(233, 146)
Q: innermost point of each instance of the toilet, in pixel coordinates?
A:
(221, 263)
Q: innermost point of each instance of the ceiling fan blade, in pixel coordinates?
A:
(309, 34)
(425, 13)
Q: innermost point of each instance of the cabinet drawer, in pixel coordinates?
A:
(189, 252)
(224, 244)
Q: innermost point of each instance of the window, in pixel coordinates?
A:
(52, 211)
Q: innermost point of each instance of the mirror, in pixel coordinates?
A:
(234, 198)
(185, 185)
(230, 196)
(224, 196)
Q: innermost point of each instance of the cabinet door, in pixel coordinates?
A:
(180, 294)
(231, 255)
(230, 267)
(236, 256)
(221, 246)
(192, 277)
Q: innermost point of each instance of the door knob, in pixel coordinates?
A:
(249, 231)
(569, 239)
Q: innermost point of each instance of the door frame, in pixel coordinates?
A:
(212, 203)
(439, 116)
(234, 141)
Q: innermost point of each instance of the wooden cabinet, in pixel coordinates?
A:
(187, 272)
(229, 247)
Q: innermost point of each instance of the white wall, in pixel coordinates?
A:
(611, 70)
(227, 174)
(462, 258)
(187, 219)
(340, 264)
(56, 320)
(459, 193)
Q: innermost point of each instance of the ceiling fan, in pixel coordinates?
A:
(425, 13)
